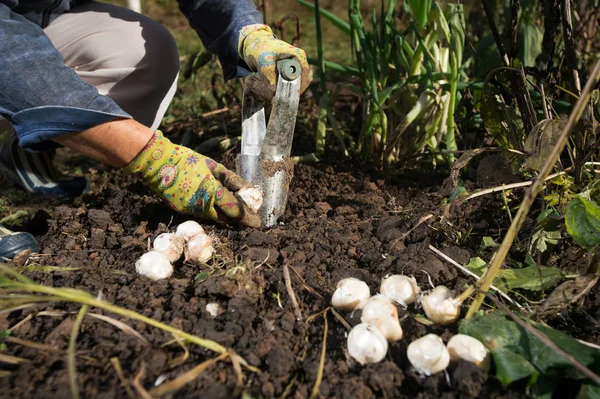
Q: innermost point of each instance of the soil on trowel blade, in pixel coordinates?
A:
(341, 221)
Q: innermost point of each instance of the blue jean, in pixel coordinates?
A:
(43, 98)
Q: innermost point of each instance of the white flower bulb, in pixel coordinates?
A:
(199, 249)
(154, 265)
(188, 229)
(366, 344)
(252, 197)
(440, 307)
(170, 245)
(401, 289)
(465, 347)
(350, 293)
(381, 313)
(428, 354)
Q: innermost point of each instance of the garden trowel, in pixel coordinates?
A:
(265, 156)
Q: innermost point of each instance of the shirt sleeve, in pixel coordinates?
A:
(39, 95)
(218, 23)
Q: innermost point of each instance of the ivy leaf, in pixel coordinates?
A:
(583, 220)
(518, 354)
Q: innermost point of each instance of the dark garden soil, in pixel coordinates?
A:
(343, 219)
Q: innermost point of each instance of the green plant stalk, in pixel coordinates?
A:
(334, 19)
(323, 80)
(532, 192)
(71, 362)
(450, 136)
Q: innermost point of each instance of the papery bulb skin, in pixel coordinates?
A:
(428, 355)
(188, 229)
(169, 244)
(400, 289)
(154, 265)
(381, 313)
(366, 344)
(350, 294)
(252, 197)
(199, 249)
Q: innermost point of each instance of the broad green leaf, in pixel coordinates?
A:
(518, 354)
(583, 220)
(529, 278)
(530, 43)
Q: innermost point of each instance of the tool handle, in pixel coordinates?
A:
(289, 69)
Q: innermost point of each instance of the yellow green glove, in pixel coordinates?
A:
(192, 183)
(261, 50)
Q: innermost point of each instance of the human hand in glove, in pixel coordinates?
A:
(261, 50)
(192, 183)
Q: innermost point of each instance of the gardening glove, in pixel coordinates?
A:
(192, 183)
(261, 50)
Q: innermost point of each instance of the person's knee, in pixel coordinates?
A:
(151, 53)
(161, 57)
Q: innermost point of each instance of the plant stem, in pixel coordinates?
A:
(532, 192)
(71, 362)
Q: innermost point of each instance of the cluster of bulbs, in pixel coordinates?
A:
(380, 325)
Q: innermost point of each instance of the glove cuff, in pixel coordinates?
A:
(250, 30)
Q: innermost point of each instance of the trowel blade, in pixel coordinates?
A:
(254, 129)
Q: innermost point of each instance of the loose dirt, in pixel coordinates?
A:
(343, 220)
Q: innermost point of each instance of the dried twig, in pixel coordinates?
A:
(137, 382)
(120, 325)
(315, 390)
(542, 337)
(290, 290)
(186, 377)
(118, 369)
(306, 286)
(12, 359)
(71, 362)
(421, 220)
(31, 344)
(470, 273)
(535, 188)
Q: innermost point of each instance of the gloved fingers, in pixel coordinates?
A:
(230, 180)
(234, 209)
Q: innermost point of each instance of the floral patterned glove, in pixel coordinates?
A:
(192, 183)
(261, 50)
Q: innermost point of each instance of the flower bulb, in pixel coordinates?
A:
(350, 293)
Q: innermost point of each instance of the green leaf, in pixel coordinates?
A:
(331, 17)
(583, 220)
(420, 10)
(532, 278)
(530, 43)
(518, 354)
(589, 391)
(487, 242)
(477, 265)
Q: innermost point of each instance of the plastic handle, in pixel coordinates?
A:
(289, 69)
